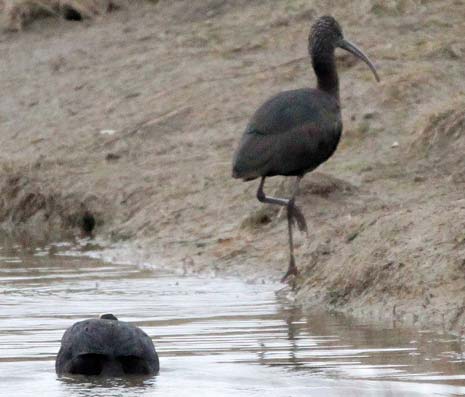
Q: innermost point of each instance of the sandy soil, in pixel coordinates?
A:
(134, 117)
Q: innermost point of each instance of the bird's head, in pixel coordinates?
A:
(326, 35)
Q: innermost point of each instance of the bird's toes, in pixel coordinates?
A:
(291, 271)
(292, 221)
(300, 219)
(287, 276)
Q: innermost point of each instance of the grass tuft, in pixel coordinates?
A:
(19, 12)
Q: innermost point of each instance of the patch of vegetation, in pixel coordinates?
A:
(19, 12)
(441, 130)
(260, 218)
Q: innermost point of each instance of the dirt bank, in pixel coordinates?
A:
(134, 118)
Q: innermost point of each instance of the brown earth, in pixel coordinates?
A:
(134, 117)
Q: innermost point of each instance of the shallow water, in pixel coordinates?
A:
(214, 337)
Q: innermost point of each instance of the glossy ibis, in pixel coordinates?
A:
(295, 131)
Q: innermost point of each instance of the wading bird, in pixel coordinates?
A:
(295, 131)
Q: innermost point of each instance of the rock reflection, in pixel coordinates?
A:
(89, 387)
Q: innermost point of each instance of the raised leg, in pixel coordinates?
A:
(262, 197)
(293, 215)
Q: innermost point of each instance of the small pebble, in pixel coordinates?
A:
(107, 132)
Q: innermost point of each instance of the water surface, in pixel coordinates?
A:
(215, 337)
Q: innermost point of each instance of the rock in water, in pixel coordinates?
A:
(106, 347)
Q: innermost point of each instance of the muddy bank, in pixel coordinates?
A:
(134, 118)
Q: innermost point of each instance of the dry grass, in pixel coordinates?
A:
(442, 130)
(19, 12)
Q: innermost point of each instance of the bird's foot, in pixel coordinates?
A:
(291, 270)
(296, 216)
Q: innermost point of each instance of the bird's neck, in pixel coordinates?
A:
(325, 69)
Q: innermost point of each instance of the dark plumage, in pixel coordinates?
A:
(106, 347)
(295, 131)
(284, 135)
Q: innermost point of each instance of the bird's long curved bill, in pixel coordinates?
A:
(348, 46)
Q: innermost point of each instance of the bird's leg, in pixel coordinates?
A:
(293, 215)
(292, 269)
(262, 197)
(296, 214)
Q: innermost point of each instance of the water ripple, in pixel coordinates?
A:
(215, 337)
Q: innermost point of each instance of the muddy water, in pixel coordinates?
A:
(215, 337)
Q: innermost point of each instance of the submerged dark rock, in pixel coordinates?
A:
(106, 347)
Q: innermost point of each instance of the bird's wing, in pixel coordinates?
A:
(255, 152)
(291, 133)
(289, 110)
